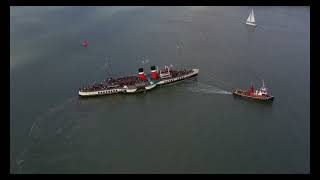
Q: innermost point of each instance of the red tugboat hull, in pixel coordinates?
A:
(246, 94)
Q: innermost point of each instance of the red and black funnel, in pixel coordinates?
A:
(141, 74)
(154, 74)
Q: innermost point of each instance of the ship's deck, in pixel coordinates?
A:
(115, 83)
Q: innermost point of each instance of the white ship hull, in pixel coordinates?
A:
(251, 24)
(131, 90)
(146, 88)
(101, 92)
(172, 80)
(151, 86)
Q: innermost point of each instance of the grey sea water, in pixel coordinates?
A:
(195, 126)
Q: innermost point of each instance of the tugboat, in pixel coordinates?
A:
(138, 83)
(260, 95)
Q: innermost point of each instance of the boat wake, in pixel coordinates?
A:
(41, 128)
(207, 89)
(51, 112)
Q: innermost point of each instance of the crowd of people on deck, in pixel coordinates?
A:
(180, 73)
(112, 83)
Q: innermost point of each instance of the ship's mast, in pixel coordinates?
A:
(263, 88)
(109, 67)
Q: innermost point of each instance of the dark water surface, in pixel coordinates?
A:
(195, 126)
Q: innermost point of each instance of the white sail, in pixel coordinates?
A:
(252, 17)
(249, 18)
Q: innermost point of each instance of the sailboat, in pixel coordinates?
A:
(251, 21)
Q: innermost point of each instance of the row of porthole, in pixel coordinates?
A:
(177, 79)
(107, 91)
(181, 77)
